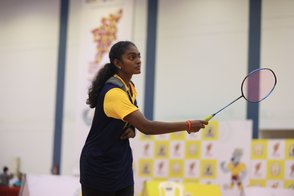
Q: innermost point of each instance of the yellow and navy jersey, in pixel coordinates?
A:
(119, 103)
(106, 160)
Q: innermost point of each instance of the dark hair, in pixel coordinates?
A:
(108, 70)
(5, 169)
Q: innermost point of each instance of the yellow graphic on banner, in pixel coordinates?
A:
(160, 179)
(178, 135)
(176, 168)
(289, 152)
(105, 34)
(162, 188)
(258, 149)
(275, 169)
(145, 168)
(191, 181)
(145, 137)
(201, 189)
(236, 170)
(210, 132)
(168, 188)
(259, 183)
(193, 150)
(208, 169)
(289, 184)
(161, 149)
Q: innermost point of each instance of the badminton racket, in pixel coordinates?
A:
(255, 87)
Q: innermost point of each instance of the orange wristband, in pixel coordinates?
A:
(189, 126)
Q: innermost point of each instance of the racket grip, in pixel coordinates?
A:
(207, 118)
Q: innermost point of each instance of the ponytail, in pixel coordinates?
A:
(103, 75)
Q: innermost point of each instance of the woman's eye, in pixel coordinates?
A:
(132, 58)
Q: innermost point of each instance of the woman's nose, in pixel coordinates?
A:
(138, 61)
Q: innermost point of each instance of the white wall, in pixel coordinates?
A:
(28, 62)
(202, 57)
(73, 44)
(277, 50)
(201, 60)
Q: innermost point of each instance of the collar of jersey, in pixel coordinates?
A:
(115, 75)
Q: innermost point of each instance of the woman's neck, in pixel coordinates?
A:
(126, 78)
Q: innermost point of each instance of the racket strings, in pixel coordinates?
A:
(258, 85)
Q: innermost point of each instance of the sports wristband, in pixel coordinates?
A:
(189, 126)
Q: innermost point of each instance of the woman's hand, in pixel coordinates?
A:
(129, 133)
(195, 125)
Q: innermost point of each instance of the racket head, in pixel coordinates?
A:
(258, 85)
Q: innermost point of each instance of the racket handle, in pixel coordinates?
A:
(207, 118)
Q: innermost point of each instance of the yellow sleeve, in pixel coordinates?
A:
(117, 104)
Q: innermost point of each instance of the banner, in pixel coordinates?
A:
(272, 163)
(103, 23)
(218, 154)
(222, 154)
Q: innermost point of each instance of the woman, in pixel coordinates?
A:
(106, 158)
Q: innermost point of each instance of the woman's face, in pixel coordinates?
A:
(130, 62)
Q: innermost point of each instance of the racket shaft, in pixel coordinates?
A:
(211, 116)
(227, 105)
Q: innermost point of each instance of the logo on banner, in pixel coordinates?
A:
(105, 34)
(291, 151)
(103, 37)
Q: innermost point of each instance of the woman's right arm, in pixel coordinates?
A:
(148, 127)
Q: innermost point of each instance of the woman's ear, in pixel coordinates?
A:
(117, 63)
